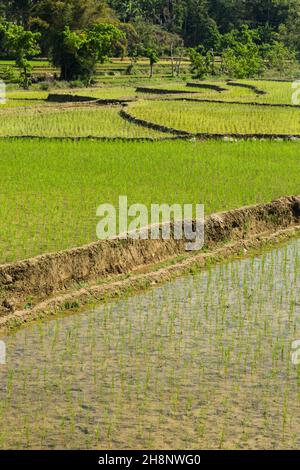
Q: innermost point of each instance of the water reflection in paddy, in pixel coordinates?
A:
(203, 362)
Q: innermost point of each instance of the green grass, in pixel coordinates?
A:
(219, 118)
(80, 122)
(50, 190)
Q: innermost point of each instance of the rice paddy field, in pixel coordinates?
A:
(216, 118)
(201, 362)
(50, 190)
(78, 122)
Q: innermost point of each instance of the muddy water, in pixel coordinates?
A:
(203, 362)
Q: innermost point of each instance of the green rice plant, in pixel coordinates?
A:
(275, 92)
(50, 190)
(11, 104)
(26, 95)
(69, 122)
(215, 118)
(104, 92)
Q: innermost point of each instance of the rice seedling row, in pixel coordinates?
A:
(50, 190)
(203, 362)
(216, 118)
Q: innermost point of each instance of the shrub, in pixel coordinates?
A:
(200, 65)
(10, 75)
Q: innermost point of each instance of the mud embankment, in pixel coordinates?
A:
(206, 86)
(50, 275)
(151, 125)
(163, 91)
(66, 98)
(229, 102)
(255, 89)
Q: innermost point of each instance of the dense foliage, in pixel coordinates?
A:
(248, 34)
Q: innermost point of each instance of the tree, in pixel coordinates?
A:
(165, 25)
(77, 53)
(156, 37)
(280, 58)
(51, 17)
(127, 10)
(23, 44)
(18, 11)
(289, 30)
(241, 57)
(132, 37)
(201, 62)
(177, 54)
(200, 28)
(151, 54)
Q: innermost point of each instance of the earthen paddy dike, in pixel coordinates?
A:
(201, 362)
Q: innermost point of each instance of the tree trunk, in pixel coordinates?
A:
(151, 69)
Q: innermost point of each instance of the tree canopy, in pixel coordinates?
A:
(195, 21)
(75, 34)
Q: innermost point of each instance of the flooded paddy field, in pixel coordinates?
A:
(202, 362)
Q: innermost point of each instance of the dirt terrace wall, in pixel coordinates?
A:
(151, 125)
(248, 103)
(54, 272)
(254, 88)
(161, 91)
(206, 86)
(65, 98)
(93, 138)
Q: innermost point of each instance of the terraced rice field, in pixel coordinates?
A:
(83, 121)
(215, 118)
(203, 362)
(50, 190)
(116, 92)
(275, 92)
(57, 186)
